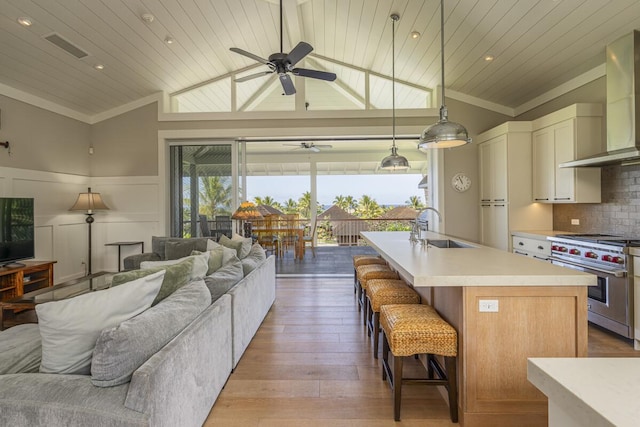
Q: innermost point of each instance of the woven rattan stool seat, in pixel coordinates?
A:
(381, 292)
(374, 271)
(411, 329)
(359, 260)
(417, 329)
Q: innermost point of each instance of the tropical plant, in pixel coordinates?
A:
(290, 206)
(215, 195)
(341, 202)
(351, 204)
(415, 202)
(368, 207)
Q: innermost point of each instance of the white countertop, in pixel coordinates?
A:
(538, 234)
(478, 266)
(591, 391)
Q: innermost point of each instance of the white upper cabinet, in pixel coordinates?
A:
(567, 134)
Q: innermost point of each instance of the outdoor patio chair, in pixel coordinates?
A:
(310, 239)
(204, 226)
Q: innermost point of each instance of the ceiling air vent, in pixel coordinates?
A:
(66, 45)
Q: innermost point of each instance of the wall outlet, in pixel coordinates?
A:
(488, 305)
(575, 222)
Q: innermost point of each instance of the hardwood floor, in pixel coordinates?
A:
(310, 365)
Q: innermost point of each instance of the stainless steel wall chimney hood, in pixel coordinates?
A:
(623, 80)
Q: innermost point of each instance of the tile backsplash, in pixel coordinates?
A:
(619, 212)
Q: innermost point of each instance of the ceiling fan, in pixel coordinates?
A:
(309, 146)
(283, 64)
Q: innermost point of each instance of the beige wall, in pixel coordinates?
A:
(126, 145)
(42, 140)
(462, 209)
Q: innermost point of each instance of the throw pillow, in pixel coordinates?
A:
(254, 259)
(121, 350)
(21, 349)
(69, 328)
(177, 275)
(242, 245)
(211, 245)
(218, 257)
(224, 279)
(198, 270)
(179, 249)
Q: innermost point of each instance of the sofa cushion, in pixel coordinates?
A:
(20, 349)
(158, 244)
(242, 245)
(69, 328)
(180, 249)
(198, 269)
(176, 276)
(121, 350)
(253, 260)
(224, 279)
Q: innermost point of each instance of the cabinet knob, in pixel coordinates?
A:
(521, 243)
(540, 247)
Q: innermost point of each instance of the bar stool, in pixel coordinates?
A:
(383, 292)
(412, 329)
(368, 272)
(359, 260)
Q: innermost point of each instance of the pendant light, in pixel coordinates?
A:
(394, 161)
(443, 134)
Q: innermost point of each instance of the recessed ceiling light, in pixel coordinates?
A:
(169, 40)
(99, 67)
(415, 34)
(25, 22)
(147, 17)
(489, 58)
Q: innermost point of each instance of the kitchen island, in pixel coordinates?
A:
(537, 310)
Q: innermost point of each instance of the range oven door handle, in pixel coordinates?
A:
(562, 262)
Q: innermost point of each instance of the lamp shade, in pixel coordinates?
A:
(394, 161)
(89, 202)
(247, 211)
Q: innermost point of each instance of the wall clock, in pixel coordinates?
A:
(461, 182)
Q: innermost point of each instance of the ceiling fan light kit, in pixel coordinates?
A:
(443, 134)
(283, 64)
(394, 161)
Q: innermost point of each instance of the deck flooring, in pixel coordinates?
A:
(329, 260)
(310, 365)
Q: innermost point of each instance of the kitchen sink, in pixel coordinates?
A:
(447, 244)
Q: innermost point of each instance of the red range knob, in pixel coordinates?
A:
(562, 249)
(591, 255)
(607, 258)
(574, 252)
(618, 260)
(554, 247)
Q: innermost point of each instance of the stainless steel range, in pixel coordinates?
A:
(610, 303)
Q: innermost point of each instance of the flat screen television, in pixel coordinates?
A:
(16, 230)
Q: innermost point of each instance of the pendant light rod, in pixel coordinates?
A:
(442, 49)
(281, 38)
(394, 19)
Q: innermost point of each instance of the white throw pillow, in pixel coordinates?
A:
(70, 328)
(242, 245)
(198, 271)
(211, 245)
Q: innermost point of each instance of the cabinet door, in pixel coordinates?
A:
(487, 237)
(543, 165)
(563, 135)
(501, 226)
(486, 166)
(499, 175)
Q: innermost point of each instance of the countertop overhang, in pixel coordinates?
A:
(427, 266)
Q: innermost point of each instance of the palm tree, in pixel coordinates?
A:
(341, 202)
(304, 205)
(267, 201)
(415, 202)
(368, 207)
(351, 204)
(290, 206)
(215, 195)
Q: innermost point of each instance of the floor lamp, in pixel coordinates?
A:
(89, 202)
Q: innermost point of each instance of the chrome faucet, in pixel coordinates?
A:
(430, 209)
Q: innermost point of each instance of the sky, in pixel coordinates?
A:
(385, 189)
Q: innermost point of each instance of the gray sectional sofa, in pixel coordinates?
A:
(176, 386)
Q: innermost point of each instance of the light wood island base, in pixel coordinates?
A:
(542, 312)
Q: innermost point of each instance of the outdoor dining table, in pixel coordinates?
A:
(296, 231)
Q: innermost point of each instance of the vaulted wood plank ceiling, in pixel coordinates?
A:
(537, 44)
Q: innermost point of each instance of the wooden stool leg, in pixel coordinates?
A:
(376, 333)
(359, 297)
(452, 387)
(397, 386)
(385, 356)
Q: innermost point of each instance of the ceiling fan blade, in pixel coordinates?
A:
(314, 74)
(252, 76)
(301, 50)
(287, 84)
(323, 146)
(249, 54)
(314, 149)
